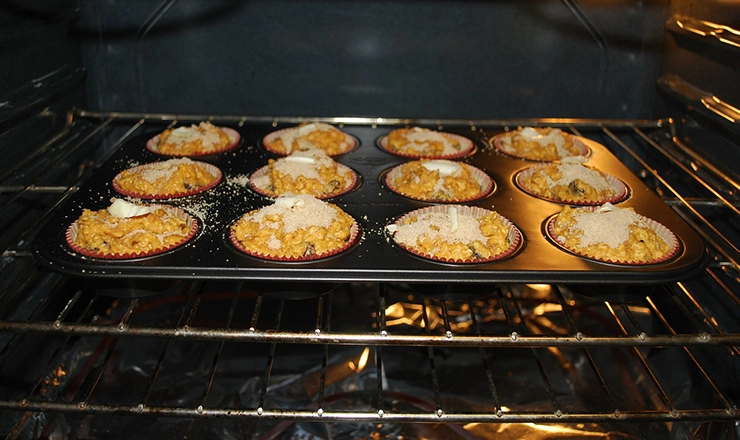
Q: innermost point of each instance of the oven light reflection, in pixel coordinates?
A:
(361, 362)
(537, 309)
(528, 430)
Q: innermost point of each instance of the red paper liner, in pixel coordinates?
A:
(466, 144)
(153, 145)
(583, 149)
(515, 236)
(71, 234)
(214, 170)
(662, 231)
(268, 193)
(485, 181)
(619, 186)
(354, 234)
(351, 142)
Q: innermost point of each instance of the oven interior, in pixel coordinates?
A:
(136, 357)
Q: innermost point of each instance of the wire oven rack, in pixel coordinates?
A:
(555, 330)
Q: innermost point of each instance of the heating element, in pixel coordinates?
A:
(232, 355)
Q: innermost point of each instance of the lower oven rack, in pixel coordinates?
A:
(556, 332)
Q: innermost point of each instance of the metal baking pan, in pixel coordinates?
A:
(375, 258)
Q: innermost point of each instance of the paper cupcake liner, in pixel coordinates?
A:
(351, 142)
(663, 232)
(583, 149)
(259, 177)
(466, 144)
(483, 179)
(214, 170)
(72, 230)
(515, 237)
(622, 191)
(153, 145)
(354, 234)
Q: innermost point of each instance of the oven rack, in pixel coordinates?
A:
(694, 318)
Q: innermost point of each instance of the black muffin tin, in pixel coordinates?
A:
(375, 257)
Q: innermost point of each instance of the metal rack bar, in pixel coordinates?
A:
(538, 361)
(109, 345)
(707, 319)
(66, 154)
(512, 340)
(432, 363)
(643, 362)
(591, 362)
(379, 371)
(17, 288)
(66, 132)
(343, 120)
(54, 360)
(219, 350)
(270, 362)
(256, 314)
(325, 358)
(486, 365)
(663, 182)
(372, 416)
(160, 361)
(720, 395)
(698, 159)
(676, 162)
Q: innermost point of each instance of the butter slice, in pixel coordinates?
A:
(123, 209)
(445, 167)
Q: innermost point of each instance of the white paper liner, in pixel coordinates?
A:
(350, 140)
(71, 235)
(515, 237)
(621, 189)
(153, 145)
(663, 232)
(212, 169)
(465, 144)
(483, 179)
(259, 176)
(497, 140)
(354, 234)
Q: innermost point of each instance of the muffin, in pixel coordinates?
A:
(571, 182)
(418, 142)
(438, 181)
(541, 144)
(315, 135)
(128, 230)
(460, 234)
(294, 228)
(612, 234)
(195, 140)
(169, 179)
(310, 172)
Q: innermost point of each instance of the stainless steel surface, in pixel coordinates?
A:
(557, 331)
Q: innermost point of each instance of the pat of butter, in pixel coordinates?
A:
(300, 159)
(606, 207)
(452, 215)
(530, 133)
(181, 133)
(289, 201)
(445, 167)
(310, 128)
(123, 209)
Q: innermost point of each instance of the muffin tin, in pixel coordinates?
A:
(375, 257)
